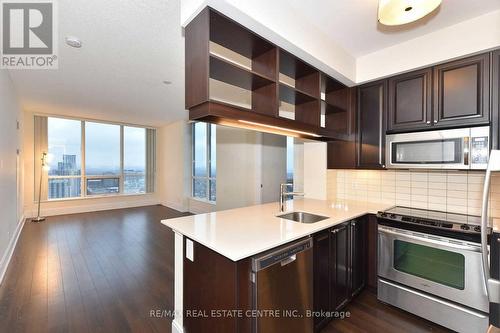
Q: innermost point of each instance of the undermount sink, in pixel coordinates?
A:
(302, 217)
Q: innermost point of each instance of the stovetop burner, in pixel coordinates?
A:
(435, 222)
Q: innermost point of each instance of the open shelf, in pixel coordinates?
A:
(332, 109)
(237, 75)
(233, 74)
(293, 67)
(234, 36)
(294, 96)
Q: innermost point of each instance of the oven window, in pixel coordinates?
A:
(440, 266)
(427, 152)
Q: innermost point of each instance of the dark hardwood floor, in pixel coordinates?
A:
(368, 315)
(106, 271)
(92, 272)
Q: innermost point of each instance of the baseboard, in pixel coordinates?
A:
(93, 207)
(4, 263)
(175, 205)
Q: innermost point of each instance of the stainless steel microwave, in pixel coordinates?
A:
(460, 149)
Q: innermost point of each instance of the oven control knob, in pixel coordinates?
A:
(383, 214)
(477, 228)
(392, 216)
(464, 227)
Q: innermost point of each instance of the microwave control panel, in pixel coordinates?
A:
(479, 150)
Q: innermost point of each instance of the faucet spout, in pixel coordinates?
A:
(284, 194)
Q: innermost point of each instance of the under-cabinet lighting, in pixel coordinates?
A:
(279, 128)
(398, 12)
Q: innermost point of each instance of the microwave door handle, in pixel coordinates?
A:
(492, 285)
(467, 149)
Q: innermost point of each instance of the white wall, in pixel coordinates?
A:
(468, 37)
(174, 165)
(10, 174)
(273, 166)
(70, 206)
(315, 179)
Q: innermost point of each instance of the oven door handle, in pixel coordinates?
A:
(441, 243)
(492, 285)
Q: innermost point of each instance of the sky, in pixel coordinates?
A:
(102, 144)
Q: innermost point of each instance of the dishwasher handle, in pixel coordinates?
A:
(283, 255)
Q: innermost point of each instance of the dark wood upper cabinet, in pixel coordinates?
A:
(371, 114)
(495, 99)
(341, 117)
(461, 92)
(235, 77)
(410, 101)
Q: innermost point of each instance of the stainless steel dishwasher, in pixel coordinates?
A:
(283, 289)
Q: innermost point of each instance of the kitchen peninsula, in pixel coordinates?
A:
(213, 252)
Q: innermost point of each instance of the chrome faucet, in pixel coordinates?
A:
(284, 194)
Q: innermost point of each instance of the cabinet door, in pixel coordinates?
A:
(461, 92)
(495, 99)
(341, 155)
(339, 266)
(322, 286)
(358, 255)
(410, 101)
(371, 127)
(371, 251)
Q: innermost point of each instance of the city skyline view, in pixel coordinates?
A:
(102, 158)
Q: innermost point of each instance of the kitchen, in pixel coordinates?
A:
(408, 214)
(250, 166)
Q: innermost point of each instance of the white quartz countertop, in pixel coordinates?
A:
(243, 232)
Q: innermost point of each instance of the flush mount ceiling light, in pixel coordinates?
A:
(397, 12)
(73, 42)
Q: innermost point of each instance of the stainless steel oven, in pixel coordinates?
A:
(437, 265)
(434, 277)
(462, 148)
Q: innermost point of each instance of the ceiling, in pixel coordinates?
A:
(129, 49)
(353, 23)
(131, 46)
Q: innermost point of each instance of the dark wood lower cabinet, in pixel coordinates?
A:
(340, 267)
(321, 252)
(371, 251)
(343, 265)
(358, 238)
(213, 282)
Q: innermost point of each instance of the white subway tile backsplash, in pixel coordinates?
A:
(452, 191)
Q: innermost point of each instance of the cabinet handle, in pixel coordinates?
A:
(435, 121)
(354, 223)
(428, 122)
(334, 231)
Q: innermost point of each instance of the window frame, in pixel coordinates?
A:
(208, 178)
(83, 176)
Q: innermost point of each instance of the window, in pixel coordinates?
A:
(64, 146)
(204, 162)
(94, 158)
(134, 161)
(102, 158)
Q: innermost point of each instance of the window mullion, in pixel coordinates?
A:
(83, 181)
(121, 181)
